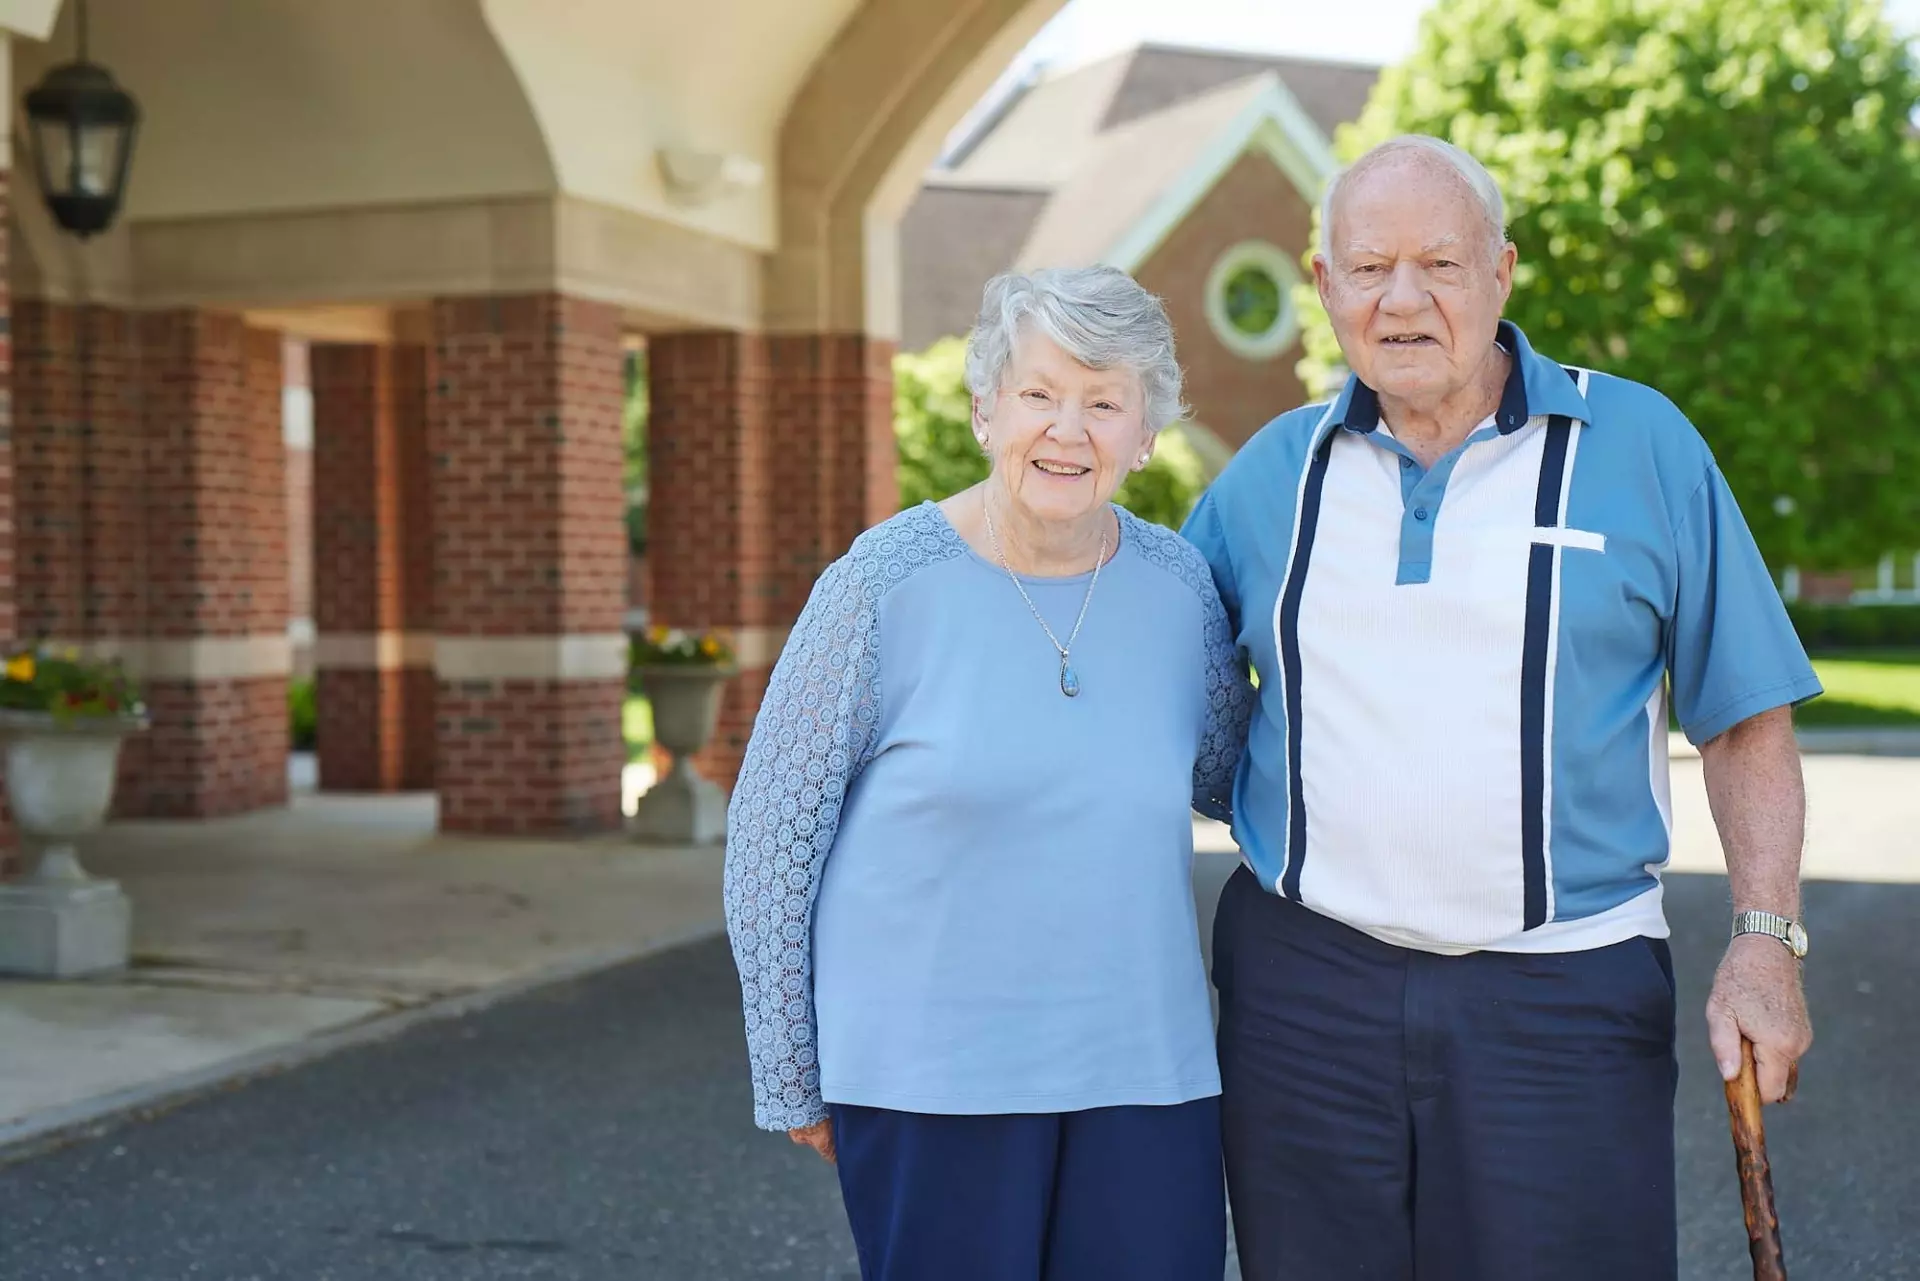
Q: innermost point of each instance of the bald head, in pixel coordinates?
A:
(1422, 159)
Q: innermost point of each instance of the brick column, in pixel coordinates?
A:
(766, 457)
(372, 555)
(151, 510)
(217, 656)
(529, 563)
(9, 583)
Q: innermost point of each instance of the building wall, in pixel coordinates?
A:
(1231, 395)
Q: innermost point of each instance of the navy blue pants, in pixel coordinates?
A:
(1391, 1114)
(1109, 1194)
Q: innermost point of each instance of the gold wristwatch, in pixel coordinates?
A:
(1791, 933)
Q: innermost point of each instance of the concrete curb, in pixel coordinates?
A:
(90, 1118)
(1837, 741)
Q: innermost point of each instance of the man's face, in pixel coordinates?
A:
(1414, 286)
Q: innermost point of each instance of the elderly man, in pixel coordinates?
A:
(1467, 586)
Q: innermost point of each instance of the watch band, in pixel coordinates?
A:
(1790, 932)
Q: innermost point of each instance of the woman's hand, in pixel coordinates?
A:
(818, 1136)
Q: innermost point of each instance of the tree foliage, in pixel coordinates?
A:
(932, 423)
(633, 446)
(1720, 198)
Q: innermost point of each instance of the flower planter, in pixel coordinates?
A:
(57, 921)
(683, 808)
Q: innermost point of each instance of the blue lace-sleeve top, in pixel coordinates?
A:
(951, 888)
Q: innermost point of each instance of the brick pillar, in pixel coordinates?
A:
(216, 651)
(9, 616)
(766, 457)
(529, 563)
(372, 552)
(80, 457)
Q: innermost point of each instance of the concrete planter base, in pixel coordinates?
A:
(57, 921)
(683, 808)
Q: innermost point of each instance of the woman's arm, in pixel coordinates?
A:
(1229, 709)
(813, 732)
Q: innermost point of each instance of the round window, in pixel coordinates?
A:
(1250, 300)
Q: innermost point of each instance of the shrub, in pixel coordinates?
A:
(302, 713)
(1845, 627)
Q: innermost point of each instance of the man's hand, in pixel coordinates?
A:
(1759, 803)
(1757, 994)
(819, 1137)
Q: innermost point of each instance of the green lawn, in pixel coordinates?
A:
(636, 721)
(1866, 687)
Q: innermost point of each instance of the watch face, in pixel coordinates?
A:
(1797, 939)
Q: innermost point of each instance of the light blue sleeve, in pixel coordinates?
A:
(1203, 530)
(812, 735)
(1229, 688)
(1229, 709)
(1731, 649)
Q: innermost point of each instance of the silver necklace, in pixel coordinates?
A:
(1069, 679)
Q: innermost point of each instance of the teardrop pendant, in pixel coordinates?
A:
(1069, 682)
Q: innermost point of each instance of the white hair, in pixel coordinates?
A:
(1100, 316)
(1486, 192)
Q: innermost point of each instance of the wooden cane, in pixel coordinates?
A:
(1756, 1179)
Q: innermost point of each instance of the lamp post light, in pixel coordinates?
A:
(81, 125)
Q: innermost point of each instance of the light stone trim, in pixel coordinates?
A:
(759, 646)
(200, 658)
(577, 657)
(343, 264)
(373, 651)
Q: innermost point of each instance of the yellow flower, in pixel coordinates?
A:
(21, 669)
(657, 633)
(709, 646)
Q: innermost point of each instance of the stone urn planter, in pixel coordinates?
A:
(683, 808)
(57, 921)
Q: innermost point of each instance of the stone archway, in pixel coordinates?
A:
(769, 451)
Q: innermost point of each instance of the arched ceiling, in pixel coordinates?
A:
(276, 105)
(531, 131)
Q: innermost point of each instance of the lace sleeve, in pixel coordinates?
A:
(813, 732)
(1229, 709)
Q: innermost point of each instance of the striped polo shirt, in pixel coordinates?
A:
(1461, 737)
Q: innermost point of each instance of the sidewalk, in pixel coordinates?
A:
(266, 940)
(269, 940)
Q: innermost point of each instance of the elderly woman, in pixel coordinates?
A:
(959, 851)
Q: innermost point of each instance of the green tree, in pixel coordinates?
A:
(932, 424)
(633, 439)
(1720, 198)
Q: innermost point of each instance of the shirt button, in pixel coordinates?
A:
(1405, 461)
(1419, 513)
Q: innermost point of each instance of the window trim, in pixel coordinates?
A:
(1286, 326)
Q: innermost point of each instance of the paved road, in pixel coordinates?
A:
(598, 1131)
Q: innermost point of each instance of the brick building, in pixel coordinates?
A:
(1197, 171)
(409, 243)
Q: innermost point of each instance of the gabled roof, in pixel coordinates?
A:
(1140, 180)
(1043, 131)
(1158, 76)
(1032, 136)
(1101, 163)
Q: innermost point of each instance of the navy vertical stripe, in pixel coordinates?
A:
(1290, 666)
(1533, 676)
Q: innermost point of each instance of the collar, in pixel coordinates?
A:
(1535, 386)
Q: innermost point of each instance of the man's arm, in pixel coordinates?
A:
(1759, 804)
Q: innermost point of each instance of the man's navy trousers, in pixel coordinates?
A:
(1394, 1115)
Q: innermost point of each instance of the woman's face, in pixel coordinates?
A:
(1061, 437)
